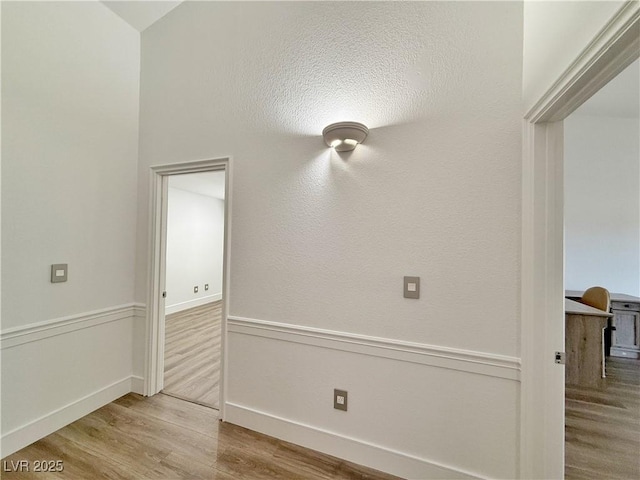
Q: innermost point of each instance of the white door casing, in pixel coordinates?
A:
(154, 354)
(542, 290)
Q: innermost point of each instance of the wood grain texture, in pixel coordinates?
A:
(192, 354)
(602, 426)
(578, 308)
(165, 437)
(584, 349)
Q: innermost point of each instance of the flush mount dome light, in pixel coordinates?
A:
(344, 136)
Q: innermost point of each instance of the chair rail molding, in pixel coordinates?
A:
(64, 351)
(14, 336)
(437, 356)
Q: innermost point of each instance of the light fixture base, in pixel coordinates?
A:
(344, 136)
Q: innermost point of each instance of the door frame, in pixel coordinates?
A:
(158, 201)
(542, 289)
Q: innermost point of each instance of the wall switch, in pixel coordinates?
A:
(195, 289)
(58, 273)
(411, 287)
(206, 287)
(340, 399)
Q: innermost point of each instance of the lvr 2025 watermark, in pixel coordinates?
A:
(32, 466)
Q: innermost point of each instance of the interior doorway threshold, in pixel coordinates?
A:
(190, 400)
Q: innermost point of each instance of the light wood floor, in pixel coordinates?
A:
(192, 354)
(602, 427)
(162, 437)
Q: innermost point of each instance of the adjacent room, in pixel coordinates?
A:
(193, 287)
(602, 252)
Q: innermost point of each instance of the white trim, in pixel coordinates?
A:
(192, 166)
(158, 186)
(27, 434)
(196, 302)
(342, 446)
(542, 332)
(444, 357)
(542, 389)
(14, 336)
(611, 51)
(137, 384)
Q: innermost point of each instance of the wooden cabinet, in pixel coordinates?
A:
(625, 339)
(583, 344)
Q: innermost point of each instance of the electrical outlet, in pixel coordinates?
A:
(195, 289)
(340, 399)
(206, 287)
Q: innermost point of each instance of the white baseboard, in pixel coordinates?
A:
(137, 384)
(341, 446)
(27, 434)
(196, 302)
(326, 359)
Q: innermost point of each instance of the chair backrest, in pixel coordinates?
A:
(597, 297)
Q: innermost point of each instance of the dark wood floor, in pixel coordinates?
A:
(192, 354)
(602, 427)
(162, 437)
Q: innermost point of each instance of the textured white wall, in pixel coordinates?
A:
(602, 203)
(555, 33)
(70, 90)
(323, 241)
(195, 235)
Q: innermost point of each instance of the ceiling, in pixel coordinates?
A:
(141, 14)
(618, 98)
(210, 184)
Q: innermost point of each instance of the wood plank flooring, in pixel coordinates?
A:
(192, 354)
(602, 426)
(162, 437)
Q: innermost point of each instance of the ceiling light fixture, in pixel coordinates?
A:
(344, 136)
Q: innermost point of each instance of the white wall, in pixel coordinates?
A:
(555, 33)
(69, 151)
(70, 92)
(195, 240)
(602, 203)
(323, 241)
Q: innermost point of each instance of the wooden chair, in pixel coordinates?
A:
(598, 297)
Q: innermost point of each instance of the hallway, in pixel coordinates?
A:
(192, 354)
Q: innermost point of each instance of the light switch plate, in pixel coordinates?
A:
(411, 287)
(59, 272)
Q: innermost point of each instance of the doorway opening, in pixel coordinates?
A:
(602, 248)
(542, 270)
(193, 286)
(188, 281)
